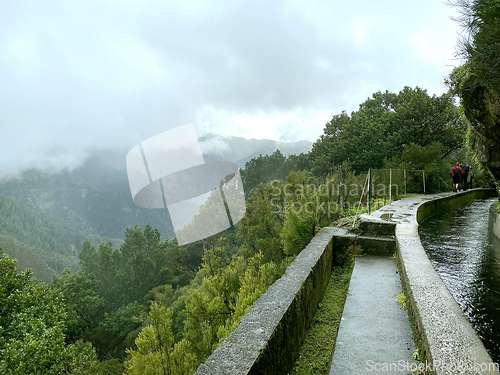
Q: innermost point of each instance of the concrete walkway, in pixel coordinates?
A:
(447, 341)
(373, 331)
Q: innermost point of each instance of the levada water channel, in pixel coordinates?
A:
(467, 257)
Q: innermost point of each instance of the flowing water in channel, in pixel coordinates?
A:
(467, 257)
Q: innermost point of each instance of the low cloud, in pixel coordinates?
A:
(111, 73)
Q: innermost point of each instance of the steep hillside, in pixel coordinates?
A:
(26, 259)
(35, 236)
(89, 204)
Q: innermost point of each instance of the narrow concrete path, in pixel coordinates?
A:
(374, 332)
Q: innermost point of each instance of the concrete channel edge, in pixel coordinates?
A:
(444, 336)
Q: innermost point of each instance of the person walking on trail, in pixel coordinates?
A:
(465, 176)
(456, 174)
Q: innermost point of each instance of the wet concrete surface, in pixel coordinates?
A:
(374, 330)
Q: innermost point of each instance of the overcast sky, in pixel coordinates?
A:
(77, 75)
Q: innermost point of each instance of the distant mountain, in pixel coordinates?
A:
(94, 201)
(240, 150)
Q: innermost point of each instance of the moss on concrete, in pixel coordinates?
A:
(316, 353)
(496, 206)
(283, 345)
(269, 336)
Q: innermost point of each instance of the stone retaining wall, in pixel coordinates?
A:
(270, 334)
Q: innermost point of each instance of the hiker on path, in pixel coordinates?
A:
(465, 176)
(456, 174)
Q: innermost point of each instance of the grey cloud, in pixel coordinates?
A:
(103, 74)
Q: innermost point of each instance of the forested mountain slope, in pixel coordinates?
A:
(95, 197)
(40, 241)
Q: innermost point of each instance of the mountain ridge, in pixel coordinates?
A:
(94, 200)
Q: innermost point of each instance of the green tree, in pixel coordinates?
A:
(261, 227)
(258, 276)
(32, 327)
(154, 344)
(156, 353)
(103, 263)
(381, 128)
(83, 304)
(146, 263)
(212, 303)
(344, 187)
(126, 275)
(261, 170)
(428, 158)
(265, 168)
(118, 330)
(84, 359)
(176, 300)
(309, 209)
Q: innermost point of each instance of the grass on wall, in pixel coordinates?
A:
(316, 353)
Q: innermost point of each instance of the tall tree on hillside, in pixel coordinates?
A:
(156, 352)
(261, 227)
(383, 126)
(146, 263)
(103, 263)
(126, 275)
(265, 168)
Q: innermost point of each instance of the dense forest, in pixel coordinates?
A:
(94, 198)
(149, 305)
(48, 216)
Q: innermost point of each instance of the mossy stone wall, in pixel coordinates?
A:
(269, 336)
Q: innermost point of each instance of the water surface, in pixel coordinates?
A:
(467, 257)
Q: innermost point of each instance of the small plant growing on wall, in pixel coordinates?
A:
(401, 299)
